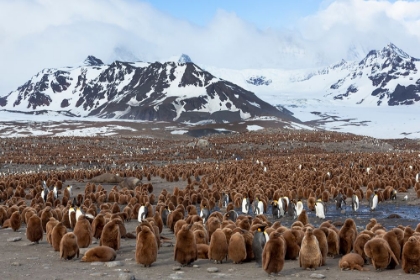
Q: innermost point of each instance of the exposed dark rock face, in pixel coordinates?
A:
(388, 71)
(156, 91)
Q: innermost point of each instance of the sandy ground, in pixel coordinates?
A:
(24, 260)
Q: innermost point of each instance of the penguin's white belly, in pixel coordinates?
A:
(319, 209)
(299, 208)
(266, 237)
(141, 213)
(244, 206)
(261, 207)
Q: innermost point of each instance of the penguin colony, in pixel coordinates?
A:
(233, 221)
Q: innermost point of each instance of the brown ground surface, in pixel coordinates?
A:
(23, 260)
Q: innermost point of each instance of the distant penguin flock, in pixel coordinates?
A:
(233, 212)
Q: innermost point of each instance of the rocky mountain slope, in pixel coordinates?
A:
(171, 91)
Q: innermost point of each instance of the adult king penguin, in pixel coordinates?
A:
(355, 202)
(320, 209)
(258, 243)
(245, 205)
(373, 201)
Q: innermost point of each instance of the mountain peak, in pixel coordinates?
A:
(93, 61)
(184, 59)
(393, 50)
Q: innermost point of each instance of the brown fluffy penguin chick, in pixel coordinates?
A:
(359, 245)
(15, 221)
(158, 221)
(146, 247)
(83, 231)
(99, 254)
(323, 244)
(332, 241)
(303, 217)
(203, 251)
(351, 261)
(237, 248)
(57, 234)
(392, 239)
(371, 224)
(410, 258)
(292, 246)
(274, 253)
(378, 250)
(218, 248)
(347, 236)
(45, 217)
(34, 231)
(68, 246)
(49, 227)
(111, 236)
(98, 225)
(310, 256)
(185, 251)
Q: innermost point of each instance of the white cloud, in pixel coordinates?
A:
(55, 33)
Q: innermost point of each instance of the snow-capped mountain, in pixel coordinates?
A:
(383, 77)
(167, 91)
(389, 76)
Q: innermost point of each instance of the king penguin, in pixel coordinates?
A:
(299, 207)
(258, 206)
(258, 243)
(320, 209)
(291, 210)
(355, 202)
(45, 191)
(245, 205)
(373, 202)
(142, 213)
(204, 213)
(225, 199)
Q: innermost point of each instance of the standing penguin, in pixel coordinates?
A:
(274, 253)
(236, 248)
(185, 251)
(57, 234)
(393, 194)
(275, 209)
(111, 235)
(258, 243)
(232, 215)
(225, 200)
(291, 210)
(45, 191)
(146, 247)
(310, 255)
(205, 213)
(142, 215)
(68, 246)
(83, 231)
(320, 209)
(72, 217)
(258, 206)
(355, 202)
(373, 201)
(218, 248)
(34, 231)
(299, 207)
(245, 205)
(340, 202)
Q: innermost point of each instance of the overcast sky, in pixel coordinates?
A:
(37, 34)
